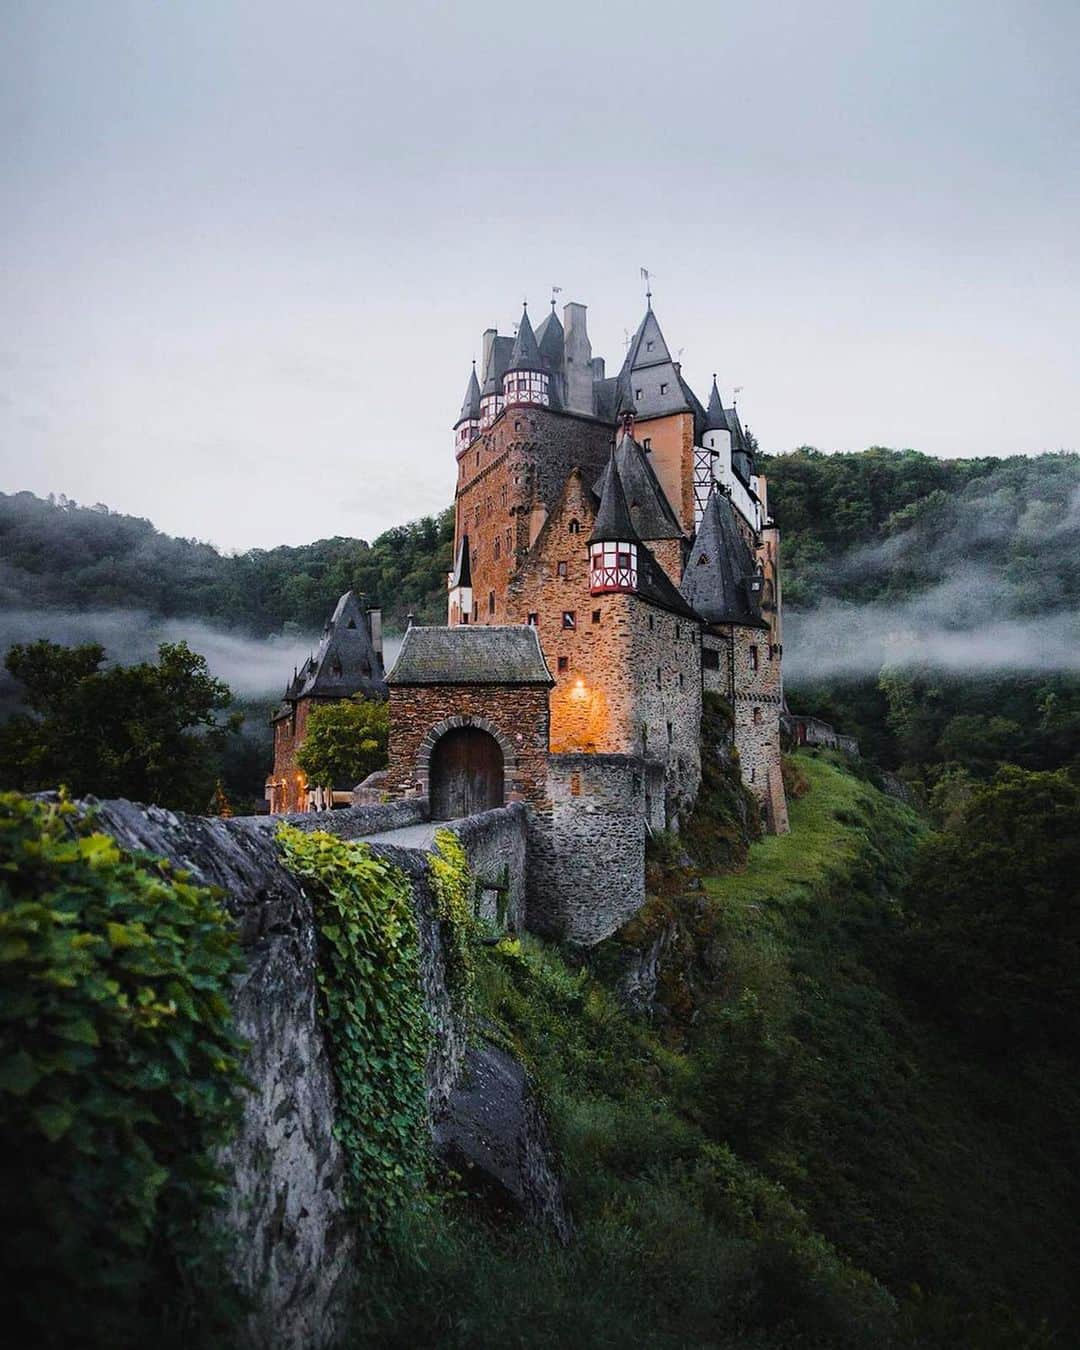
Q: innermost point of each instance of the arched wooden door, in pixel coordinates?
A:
(466, 774)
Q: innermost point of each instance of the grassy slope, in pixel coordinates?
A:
(738, 1191)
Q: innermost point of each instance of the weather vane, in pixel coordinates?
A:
(647, 278)
(555, 290)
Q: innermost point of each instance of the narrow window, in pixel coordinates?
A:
(648, 346)
(646, 444)
(534, 619)
(753, 658)
(569, 619)
(575, 527)
(476, 609)
(564, 663)
(650, 623)
(678, 631)
(703, 561)
(682, 681)
(498, 547)
(561, 569)
(757, 716)
(491, 602)
(753, 772)
(644, 736)
(670, 737)
(659, 678)
(575, 785)
(663, 388)
(596, 616)
(637, 394)
(478, 459)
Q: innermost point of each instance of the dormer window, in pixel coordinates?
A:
(638, 394)
(648, 346)
(663, 388)
(646, 444)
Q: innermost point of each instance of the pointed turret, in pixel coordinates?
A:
(470, 408)
(459, 585)
(720, 574)
(526, 380)
(550, 340)
(467, 427)
(613, 544)
(526, 353)
(715, 419)
(348, 660)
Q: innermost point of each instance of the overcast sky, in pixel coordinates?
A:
(250, 247)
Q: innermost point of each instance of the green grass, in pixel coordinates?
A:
(805, 1154)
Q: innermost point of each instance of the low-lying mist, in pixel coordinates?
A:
(970, 624)
(255, 669)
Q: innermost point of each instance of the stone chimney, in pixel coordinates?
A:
(375, 629)
(488, 340)
(578, 349)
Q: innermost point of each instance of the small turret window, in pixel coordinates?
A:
(564, 663)
(575, 527)
(663, 388)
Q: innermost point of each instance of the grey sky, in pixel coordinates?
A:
(250, 247)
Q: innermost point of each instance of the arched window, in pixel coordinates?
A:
(575, 527)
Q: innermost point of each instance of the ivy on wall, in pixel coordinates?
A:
(372, 1006)
(453, 886)
(119, 1078)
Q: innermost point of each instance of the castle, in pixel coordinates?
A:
(613, 558)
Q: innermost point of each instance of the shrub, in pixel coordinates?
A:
(119, 1076)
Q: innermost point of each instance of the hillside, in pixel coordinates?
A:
(788, 1155)
(931, 605)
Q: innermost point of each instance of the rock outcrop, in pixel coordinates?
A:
(295, 1246)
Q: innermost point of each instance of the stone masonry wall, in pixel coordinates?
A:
(521, 461)
(665, 675)
(586, 861)
(288, 789)
(495, 844)
(516, 714)
(758, 705)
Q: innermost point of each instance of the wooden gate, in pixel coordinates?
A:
(466, 774)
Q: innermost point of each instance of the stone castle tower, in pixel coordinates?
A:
(626, 522)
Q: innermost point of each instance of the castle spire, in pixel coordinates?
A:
(715, 420)
(526, 354)
(470, 408)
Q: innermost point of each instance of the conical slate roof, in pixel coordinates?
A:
(650, 511)
(650, 382)
(470, 409)
(715, 580)
(613, 521)
(715, 420)
(551, 342)
(462, 573)
(526, 354)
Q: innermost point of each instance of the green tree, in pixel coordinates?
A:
(149, 731)
(994, 909)
(344, 742)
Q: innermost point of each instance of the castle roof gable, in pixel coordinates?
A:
(650, 511)
(346, 662)
(613, 521)
(470, 654)
(717, 574)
